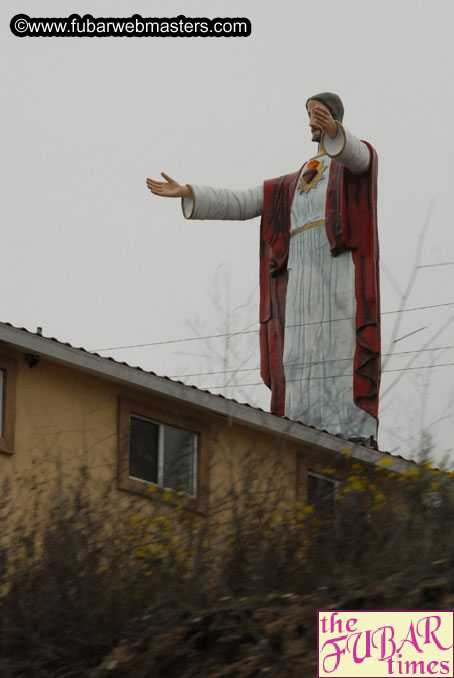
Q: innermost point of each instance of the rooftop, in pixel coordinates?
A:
(50, 348)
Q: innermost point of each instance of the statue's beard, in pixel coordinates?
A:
(316, 134)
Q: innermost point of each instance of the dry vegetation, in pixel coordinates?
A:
(230, 593)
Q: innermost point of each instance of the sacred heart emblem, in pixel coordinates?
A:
(312, 174)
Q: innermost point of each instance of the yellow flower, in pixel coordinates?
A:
(342, 492)
(276, 517)
(357, 484)
(386, 461)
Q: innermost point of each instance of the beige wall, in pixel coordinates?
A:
(66, 420)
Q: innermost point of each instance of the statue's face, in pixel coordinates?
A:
(316, 130)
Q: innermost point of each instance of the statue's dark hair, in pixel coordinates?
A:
(332, 102)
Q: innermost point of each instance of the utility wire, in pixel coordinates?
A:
(444, 263)
(315, 362)
(331, 376)
(412, 360)
(246, 331)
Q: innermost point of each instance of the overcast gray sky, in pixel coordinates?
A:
(92, 257)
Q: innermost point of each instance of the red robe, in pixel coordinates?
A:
(351, 224)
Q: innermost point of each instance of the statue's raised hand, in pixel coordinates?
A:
(324, 118)
(168, 188)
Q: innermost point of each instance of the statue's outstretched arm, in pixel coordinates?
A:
(207, 202)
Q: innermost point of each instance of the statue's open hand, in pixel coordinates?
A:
(168, 188)
(324, 119)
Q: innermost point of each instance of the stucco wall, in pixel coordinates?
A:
(67, 421)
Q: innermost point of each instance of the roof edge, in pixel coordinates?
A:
(57, 351)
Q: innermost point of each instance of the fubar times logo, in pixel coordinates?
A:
(374, 644)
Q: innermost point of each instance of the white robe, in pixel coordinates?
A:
(319, 338)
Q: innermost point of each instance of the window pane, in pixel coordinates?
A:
(143, 451)
(179, 458)
(320, 493)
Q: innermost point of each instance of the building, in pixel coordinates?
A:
(65, 409)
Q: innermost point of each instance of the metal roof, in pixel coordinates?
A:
(63, 352)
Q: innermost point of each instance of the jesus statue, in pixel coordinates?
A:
(319, 275)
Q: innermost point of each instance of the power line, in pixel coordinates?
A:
(247, 331)
(315, 362)
(412, 360)
(444, 263)
(177, 341)
(418, 308)
(331, 376)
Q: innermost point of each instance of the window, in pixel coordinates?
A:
(162, 454)
(321, 493)
(161, 441)
(8, 369)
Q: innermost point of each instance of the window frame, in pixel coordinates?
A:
(162, 412)
(8, 404)
(161, 455)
